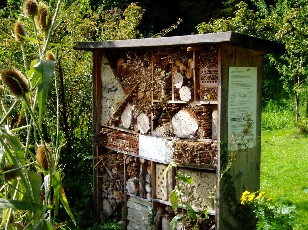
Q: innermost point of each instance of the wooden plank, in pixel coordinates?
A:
(245, 169)
(242, 57)
(96, 125)
(227, 58)
(196, 74)
(188, 40)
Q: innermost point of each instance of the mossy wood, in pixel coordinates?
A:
(168, 99)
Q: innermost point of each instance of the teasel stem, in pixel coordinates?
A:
(36, 37)
(58, 117)
(10, 211)
(28, 138)
(8, 112)
(39, 132)
(24, 56)
(30, 127)
(51, 27)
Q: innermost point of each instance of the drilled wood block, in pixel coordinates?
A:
(202, 190)
(123, 141)
(161, 182)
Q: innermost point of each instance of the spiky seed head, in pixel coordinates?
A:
(1, 89)
(41, 157)
(41, 18)
(15, 81)
(30, 8)
(50, 56)
(49, 21)
(19, 31)
(10, 172)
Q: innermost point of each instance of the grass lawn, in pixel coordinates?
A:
(284, 169)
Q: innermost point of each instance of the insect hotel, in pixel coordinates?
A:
(193, 101)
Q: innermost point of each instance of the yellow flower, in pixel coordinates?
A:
(244, 197)
(261, 194)
(251, 197)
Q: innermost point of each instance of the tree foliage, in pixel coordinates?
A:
(284, 22)
(70, 96)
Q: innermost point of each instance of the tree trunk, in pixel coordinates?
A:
(297, 108)
(306, 115)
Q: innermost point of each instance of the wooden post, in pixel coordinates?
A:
(96, 125)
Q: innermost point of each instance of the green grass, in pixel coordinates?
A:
(284, 169)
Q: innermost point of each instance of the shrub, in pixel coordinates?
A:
(270, 214)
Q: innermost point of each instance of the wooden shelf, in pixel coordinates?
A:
(119, 129)
(167, 138)
(188, 102)
(199, 167)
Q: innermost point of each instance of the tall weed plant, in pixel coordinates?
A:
(31, 178)
(277, 116)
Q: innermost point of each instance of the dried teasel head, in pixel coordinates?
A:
(30, 8)
(50, 56)
(49, 21)
(41, 156)
(10, 172)
(15, 81)
(1, 89)
(41, 19)
(19, 31)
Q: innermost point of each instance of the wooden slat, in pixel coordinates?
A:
(96, 124)
(226, 58)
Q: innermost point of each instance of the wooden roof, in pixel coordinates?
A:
(229, 37)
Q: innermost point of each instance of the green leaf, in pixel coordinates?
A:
(56, 184)
(64, 202)
(36, 182)
(21, 171)
(41, 72)
(43, 225)
(185, 178)
(191, 212)
(16, 146)
(174, 200)
(19, 205)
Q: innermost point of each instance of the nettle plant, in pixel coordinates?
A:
(181, 200)
(31, 182)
